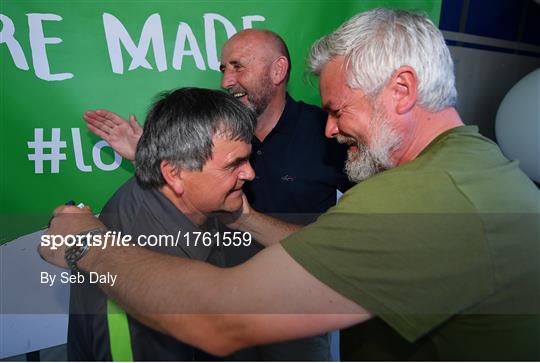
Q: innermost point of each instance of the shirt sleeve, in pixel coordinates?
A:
(398, 253)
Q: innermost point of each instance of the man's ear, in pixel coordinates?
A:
(278, 70)
(172, 176)
(403, 88)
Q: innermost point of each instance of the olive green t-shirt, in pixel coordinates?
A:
(443, 250)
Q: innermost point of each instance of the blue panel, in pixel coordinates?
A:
(495, 19)
(450, 15)
(532, 24)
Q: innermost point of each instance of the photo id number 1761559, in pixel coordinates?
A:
(225, 239)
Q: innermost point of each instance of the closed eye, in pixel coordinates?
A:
(236, 66)
(236, 163)
(334, 113)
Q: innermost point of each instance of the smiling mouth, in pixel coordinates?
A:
(239, 94)
(238, 188)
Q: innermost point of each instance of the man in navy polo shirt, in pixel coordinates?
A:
(297, 169)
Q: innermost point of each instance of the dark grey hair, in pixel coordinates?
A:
(377, 42)
(180, 126)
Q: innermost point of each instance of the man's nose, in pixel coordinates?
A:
(228, 80)
(331, 129)
(247, 172)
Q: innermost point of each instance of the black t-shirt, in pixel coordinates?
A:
(297, 171)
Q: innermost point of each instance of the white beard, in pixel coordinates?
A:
(374, 157)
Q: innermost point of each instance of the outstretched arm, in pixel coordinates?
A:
(269, 298)
(121, 134)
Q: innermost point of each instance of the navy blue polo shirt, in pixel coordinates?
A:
(297, 171)
(297, 168)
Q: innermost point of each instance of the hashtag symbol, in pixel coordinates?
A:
(54, 156)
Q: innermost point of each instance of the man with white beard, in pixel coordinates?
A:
(434, 258)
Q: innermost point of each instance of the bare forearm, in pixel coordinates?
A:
(267, 230)
(147, 287)
(266, 299)
(199, 304)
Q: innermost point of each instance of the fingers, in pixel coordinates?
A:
(246, 207)
(63, 209)
(68, 221)
(110, 117)
(103, 119)
(98, 123)
(97, 131)
(244, 198)
(72, 209)
(96, 118)
(107, 124)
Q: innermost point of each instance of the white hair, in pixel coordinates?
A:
(375, 43)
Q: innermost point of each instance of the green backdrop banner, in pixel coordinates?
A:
(61, 58)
